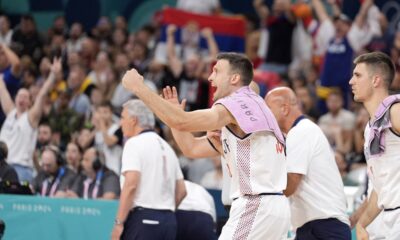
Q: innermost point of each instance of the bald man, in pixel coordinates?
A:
(315, 188)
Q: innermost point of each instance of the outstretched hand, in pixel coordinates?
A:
(56, 67)
(171, 95)
(131, 80)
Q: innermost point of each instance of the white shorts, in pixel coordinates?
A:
(258, 217)
(391, 221)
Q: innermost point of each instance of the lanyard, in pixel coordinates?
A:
(88, 181)
(54, 186)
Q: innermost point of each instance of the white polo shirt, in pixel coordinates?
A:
(320, 194)
(198, 199)
(159, 170)
(20, 138)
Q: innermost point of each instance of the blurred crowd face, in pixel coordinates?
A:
(85, 138)
(191, 65)
(59, 25)
(45, 66)
(44, 134)
(105, 112)
(88, 158)
(27, 26)
(334, 103)
(76, 31)
(121, 63)
(102, 61)
(4, 24)
(72, 154)
(23, 100)
(119, 37)
(120, 23)
(75, 78)
(342, 27)
(49, 162)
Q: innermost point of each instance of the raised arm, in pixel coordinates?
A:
(261, 9)
(212, 44)
(7, 103)
(363, 13)
(200, 147)
(35, 112)
(335, 8)
(174, 62)
(320, 10)
(172, 115)
(13, 59)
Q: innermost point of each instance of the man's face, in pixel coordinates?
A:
(23, 100)
(49, 162)
(334, 103)
(127, 123)
(44, 134)
(105, 112)
(220, 79)
(361, 83)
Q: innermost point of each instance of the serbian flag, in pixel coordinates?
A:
(228, 31)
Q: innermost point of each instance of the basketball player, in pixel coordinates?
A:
(372, 77)
(252, 144)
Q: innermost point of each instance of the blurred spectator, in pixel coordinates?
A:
(185, 75)
(44, 138)
(196, 215)
(103, 33)
(26, 39)
(338, 124)
(85, 138)
(340, 39)
(55, 178)
(59, 27)
(20, 128)
(5, 31)
(307, 102)
(96, 181)
(73, 157)
(395, 55)
(277, 40)
(106, 138)
(120, 23)
(79, 101)
(200, 7)
(76, 36)
(63, 120)
(7, 173)
(362, 118)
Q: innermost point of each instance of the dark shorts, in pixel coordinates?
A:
(195, 225)
(145, 224)
(324, 229)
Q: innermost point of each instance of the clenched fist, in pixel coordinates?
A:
(132, 80)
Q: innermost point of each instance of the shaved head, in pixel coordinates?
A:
(283, 94)
(284, 105)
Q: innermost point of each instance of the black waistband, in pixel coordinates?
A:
(263, 194)
(150, 209)
(391, 209)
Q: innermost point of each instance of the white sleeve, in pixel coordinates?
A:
(263, 44)
(298, 154)
(131, 160)
(325, 33)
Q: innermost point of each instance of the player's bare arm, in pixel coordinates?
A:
(293, 181)
(200, 120)
(368, 216)
(190, 146)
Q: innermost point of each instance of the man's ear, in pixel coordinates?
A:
(235, 79)
(377, 80)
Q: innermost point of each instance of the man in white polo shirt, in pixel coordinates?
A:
(151, 179)
(315, 188)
